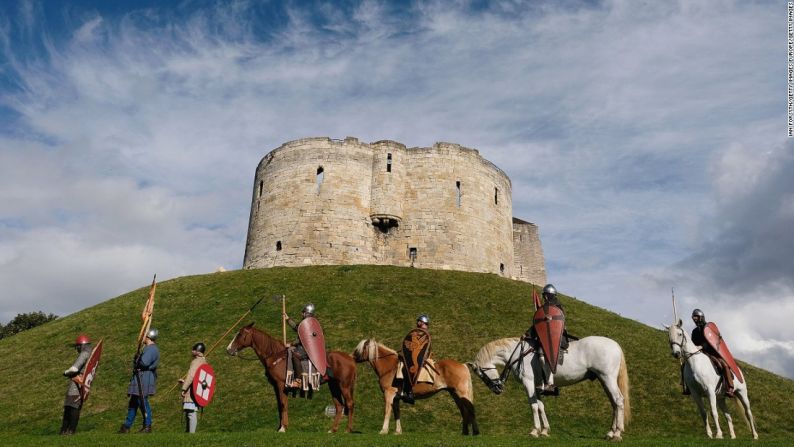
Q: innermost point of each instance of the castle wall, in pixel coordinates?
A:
(315, 222)
(528, 253)
(443, 207)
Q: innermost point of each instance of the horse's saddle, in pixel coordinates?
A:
(427, 373)
(537, 347)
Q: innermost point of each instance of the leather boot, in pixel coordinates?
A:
(145, 429)
(124, 429)
(74, 418)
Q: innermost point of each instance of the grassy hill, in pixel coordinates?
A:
(353, 302)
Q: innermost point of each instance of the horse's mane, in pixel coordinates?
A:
(272, 344)
(371, 349)
(487, 352)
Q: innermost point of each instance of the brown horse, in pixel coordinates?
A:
(273, 355)
(452, 376)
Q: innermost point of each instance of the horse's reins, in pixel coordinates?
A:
(509, 366)
(505, 374)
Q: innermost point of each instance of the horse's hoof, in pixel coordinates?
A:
(282, 430)
(544, 433)
(383, 432)
(617, 438)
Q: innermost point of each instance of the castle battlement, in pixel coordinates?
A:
(320, 201)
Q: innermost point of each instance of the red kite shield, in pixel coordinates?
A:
(86, 379)
(313, 340)
(416, 349)
(549, 323)
(712, 334)
(203, 385)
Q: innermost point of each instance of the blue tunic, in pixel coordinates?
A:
(147, 364)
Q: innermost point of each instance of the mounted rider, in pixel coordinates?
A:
(720, 363)
(415, 355)
(309, 331)
(543, 316)
(73, 402)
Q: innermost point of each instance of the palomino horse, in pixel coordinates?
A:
(273, 355)
(589, 358)
(702, 380)
(451, 376)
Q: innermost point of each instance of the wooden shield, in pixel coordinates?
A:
(416, 349)
(313, 340)
(712, 334)
(549, 323)
(203, 385)
(86, 379)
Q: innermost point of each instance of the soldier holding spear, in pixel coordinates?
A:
(144, 375)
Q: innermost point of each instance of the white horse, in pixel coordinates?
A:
(589, 358)
(702, 380)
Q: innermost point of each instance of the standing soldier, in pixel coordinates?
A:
(143, 384)
(188, 403)
(699, 339)
(73, 402)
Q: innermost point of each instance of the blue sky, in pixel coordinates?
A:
(646, 140)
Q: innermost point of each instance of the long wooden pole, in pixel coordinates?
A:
(284, 319)
(232, 327)
(219, 340)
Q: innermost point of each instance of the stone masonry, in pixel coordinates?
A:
(318, 201)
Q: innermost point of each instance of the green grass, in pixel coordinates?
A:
(262, 438)
(354, 302)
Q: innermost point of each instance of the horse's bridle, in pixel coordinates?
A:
(497, 385)
(251, 345)
(686, 356)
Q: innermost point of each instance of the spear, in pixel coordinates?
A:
(284, 319)
(146, 315)
(675, 311)
(218, 341)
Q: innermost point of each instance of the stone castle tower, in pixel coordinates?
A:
(318, 201)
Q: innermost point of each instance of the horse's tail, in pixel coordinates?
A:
(623, 384)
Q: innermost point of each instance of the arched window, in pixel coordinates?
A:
(261, 184)
(457, 193)
(496, 196)
(278, 245)
(388, 162)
